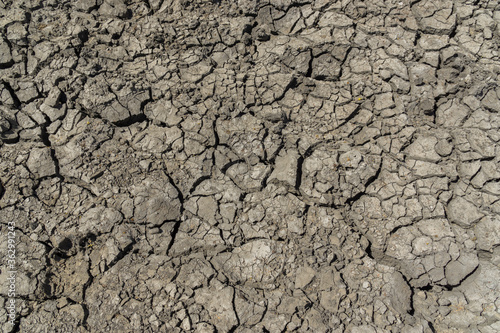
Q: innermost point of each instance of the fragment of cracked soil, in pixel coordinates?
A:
(318, 166)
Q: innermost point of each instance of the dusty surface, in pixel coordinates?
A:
(251, 166)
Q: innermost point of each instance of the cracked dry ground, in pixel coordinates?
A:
(251, 166)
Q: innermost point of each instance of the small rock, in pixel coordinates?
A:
(295, 224)
(400, 293)
(443, 147)
(422, 74)
(285, 168)
(54, 97)
(193, 24)
(304, 277)
(262, 34)
(384, 101)
(40, 163)
(196, 73)
(325, 67)
(481, 143)
(350, 159)
(433, 42)
(114, 8)
(435, 228)
(422, 245)
(490, 101)
(99, 220)
(487, 231)
(85, 5)
(5, 55)
(17, 33)
(427, 106)
(462, 212)
(53, 113)
(367, 285)
(423, 149)
(76, 311)
(219, 304)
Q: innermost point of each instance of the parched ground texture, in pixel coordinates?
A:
(251, 166)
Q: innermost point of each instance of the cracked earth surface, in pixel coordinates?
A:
(251, 166)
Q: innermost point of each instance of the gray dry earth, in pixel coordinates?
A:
(251, 166)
